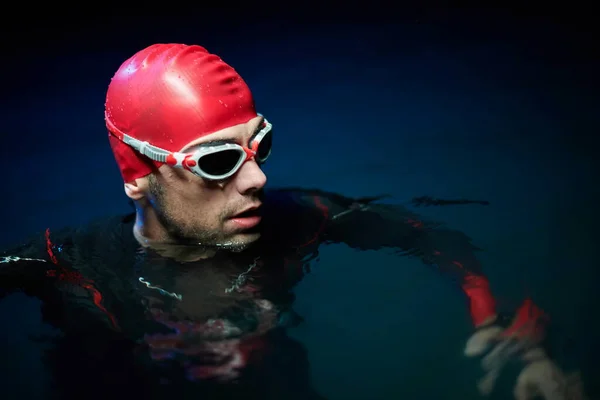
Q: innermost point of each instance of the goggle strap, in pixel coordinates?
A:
(152, 152)
(164, 156)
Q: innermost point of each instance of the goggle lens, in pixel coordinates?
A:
(224, 162)
(220, 163)
(264, 147)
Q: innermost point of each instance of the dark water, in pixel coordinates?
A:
(505, 113)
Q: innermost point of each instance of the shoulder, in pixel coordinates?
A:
(291, 217)
(105, 232)
(288, 204)
(307, 199)
(65, 242)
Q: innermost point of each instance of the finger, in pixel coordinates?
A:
(533, 354)
(500, 354)
(481, 340)
(487, 383)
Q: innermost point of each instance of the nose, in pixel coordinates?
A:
(250, 178)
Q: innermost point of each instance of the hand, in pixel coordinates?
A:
(540, 376)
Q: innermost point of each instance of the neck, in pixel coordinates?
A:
(153, 236)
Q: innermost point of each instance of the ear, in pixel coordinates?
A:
(136, 190)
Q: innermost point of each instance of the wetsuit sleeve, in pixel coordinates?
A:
(376, 226)
(49, 269)
(25, 268)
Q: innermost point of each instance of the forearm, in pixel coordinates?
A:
(362, 224)
(450, 252)
(480, 300)
(454, 256)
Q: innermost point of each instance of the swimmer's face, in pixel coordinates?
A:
(180, 205)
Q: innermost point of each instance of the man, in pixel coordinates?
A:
(196, 285)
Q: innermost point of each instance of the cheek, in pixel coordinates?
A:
(184, 187)
(200, 203)
(193, 199)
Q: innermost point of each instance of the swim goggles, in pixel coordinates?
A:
(214, 161)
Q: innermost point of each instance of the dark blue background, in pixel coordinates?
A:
(499, 105)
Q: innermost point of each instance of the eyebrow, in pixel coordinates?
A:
(218, 142)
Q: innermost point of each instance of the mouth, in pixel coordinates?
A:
(248, 219)
(250, 212)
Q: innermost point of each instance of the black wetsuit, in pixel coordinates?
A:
(136, 324)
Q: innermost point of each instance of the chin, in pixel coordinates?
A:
(240, 242)
(246, 238)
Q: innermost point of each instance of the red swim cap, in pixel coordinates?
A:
(169, 95)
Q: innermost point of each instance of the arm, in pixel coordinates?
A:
(376, 226)
(42, 268)
(25, 268)
(363, 224)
